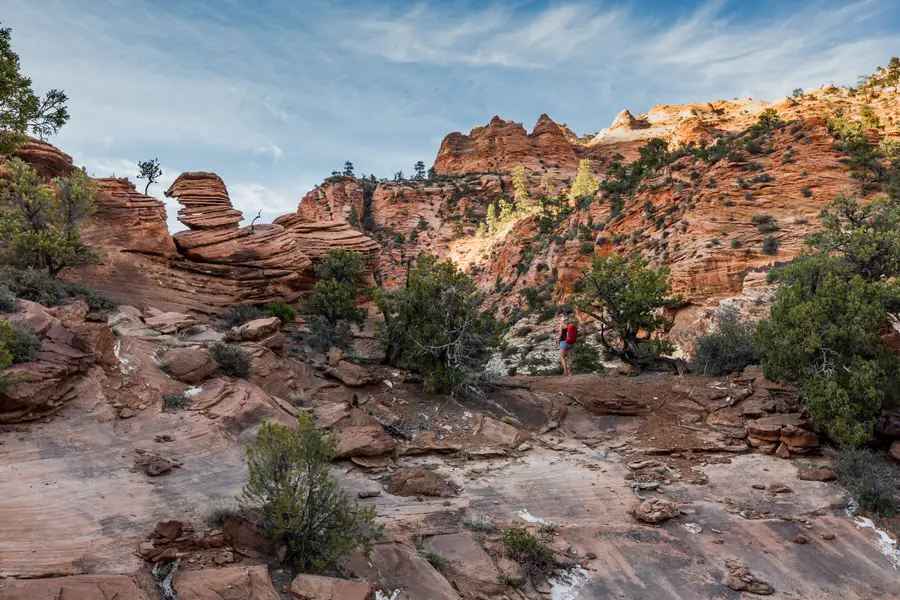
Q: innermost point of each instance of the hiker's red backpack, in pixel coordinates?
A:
(571, 334)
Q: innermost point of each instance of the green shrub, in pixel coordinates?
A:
(480, 525)
(805, 192)
(282, 310)
(242, 313)
(729, 348)
(296, 499)
(433, 557)
(333, 303)
(221, 510)
(531, 552)
(435, 325)
(173, 401)
(8, 301)
(21, 342)
(586, 358)
(770, 245)
(736, 243)
(38, 286)
(233, 360)
(869, 479)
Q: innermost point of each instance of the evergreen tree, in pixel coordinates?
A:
(40, 224)
(520, 185)
(21, 110)
(348, 169)
(420, 171)
(149, 170)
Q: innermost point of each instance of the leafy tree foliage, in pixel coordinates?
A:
(824, 331)
(436, 326)
(585, 184)
(729, 348)
(520, 185)
(281, 309)
(626, 298)
(149, 170)
(297, 499)
(21, 110)
(8, 336)
(333, 303)
(40, 223)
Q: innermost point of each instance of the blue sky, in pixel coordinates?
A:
(274, 94)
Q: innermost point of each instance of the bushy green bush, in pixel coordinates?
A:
(435, 325)
(282, 310)
(828, 314)
(8, 301)
(38, 286)
(530, 551)
(173, 401)
(480, 525)
(586, 358)
(22, 342)
(727, 349)
(221, 510)
(333, 303)
(292, 492)
(770, 245)
(242, 313)
(869, 479)
(233, 360)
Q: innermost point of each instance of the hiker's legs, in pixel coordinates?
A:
(570, 358)
(563, 357)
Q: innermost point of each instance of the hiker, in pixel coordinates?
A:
(568, 334)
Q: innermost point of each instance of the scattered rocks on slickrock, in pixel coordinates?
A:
(67, 352)
(417, 481)
(655, 510)
(75, 587)
(740, 579)
(315, 587)
(782, 434)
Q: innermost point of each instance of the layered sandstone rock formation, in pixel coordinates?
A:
(502, 145)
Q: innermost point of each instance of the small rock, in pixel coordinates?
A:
(818, 474)
(828, 536)
(524, 447)
(740, 579)
(718, 542)
(758, 486)
(655, 510)
(781, 489)
(782, 451)
(800, 539)
(126, 413)
(590, 556)
(142, 407)
(369, 493)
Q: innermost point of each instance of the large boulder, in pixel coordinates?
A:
(76, 587)
(391, 567)
(315, 587)
(67, 352)
(170, 322)
(189, 365)
(364, 440)
(894, 451)
(655, 510)
(466, 565)
(417, 481)
(230, 583)
(352, 375)
(255, 330)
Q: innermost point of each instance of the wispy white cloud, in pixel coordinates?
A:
(275, 95)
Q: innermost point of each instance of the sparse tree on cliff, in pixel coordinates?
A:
(585, 185)
(149, 170)
(626, 298)
(548, 184)
(398, 175)
(420, 171)
(40, 223)
(21, 110)
(348, 169)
